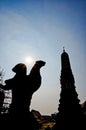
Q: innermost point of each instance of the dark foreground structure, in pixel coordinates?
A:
(70, 116)
(23, 87)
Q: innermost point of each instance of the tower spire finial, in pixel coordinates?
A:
(63, 49)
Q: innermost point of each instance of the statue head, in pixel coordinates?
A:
(20, 68)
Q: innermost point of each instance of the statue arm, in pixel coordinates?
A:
(8, 84)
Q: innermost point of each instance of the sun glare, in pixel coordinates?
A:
(29, 60)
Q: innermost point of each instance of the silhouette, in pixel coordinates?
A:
(16, 84)
(34, 78)
(70, 113)
(23, 86)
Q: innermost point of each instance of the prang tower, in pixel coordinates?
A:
(69, 102)
(69, 115)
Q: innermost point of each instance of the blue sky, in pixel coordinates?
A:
(40, 29)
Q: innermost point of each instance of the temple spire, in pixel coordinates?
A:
(69, 107)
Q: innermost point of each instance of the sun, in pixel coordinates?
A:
(29, 60)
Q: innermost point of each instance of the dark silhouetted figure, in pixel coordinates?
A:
(33, 83)
(23, 86)
(17, 85)
(34, 79)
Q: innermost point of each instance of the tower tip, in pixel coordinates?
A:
(63, 49)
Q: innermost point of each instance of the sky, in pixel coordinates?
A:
(40, 29)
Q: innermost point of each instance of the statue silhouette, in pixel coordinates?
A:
(34, 79)
(23, 86)
(17, 84)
